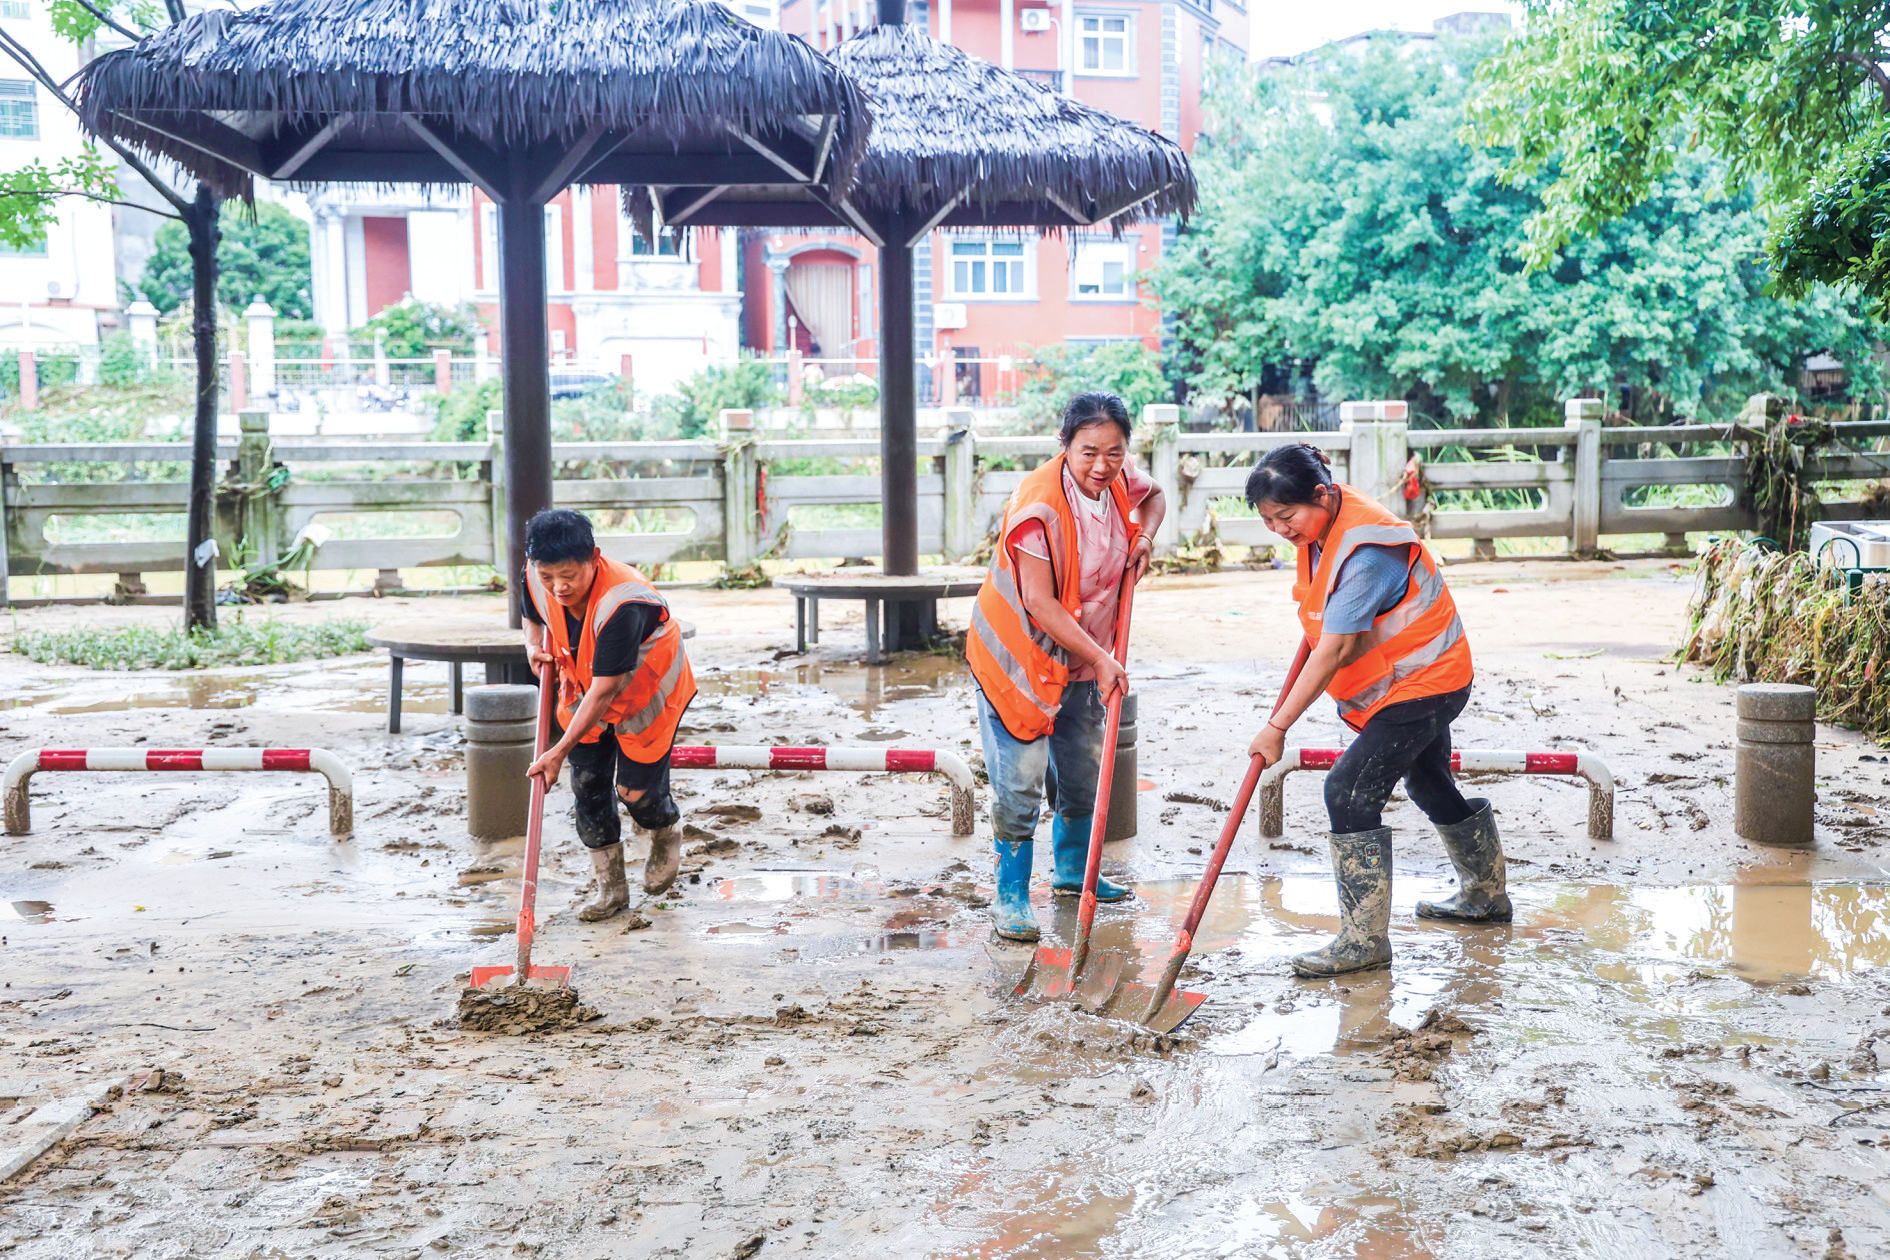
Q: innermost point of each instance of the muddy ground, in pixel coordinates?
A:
(1680, 1048)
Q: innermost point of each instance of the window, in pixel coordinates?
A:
(990, 269)
(14, 9)
(667, 244)
(1102, 270)
(1104, 42)
(19, 112)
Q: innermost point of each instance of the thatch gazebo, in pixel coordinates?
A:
(519, 98)
(956, 142)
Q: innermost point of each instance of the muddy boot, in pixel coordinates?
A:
(1477, 851)
(1361, 862)
(1011, 914)
(613, 894)
(659, 872)
(1069, 845)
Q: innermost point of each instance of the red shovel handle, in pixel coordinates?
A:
(1105, 785)
(535, 825)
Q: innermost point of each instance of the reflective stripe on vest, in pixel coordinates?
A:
(1020, 669)
(1415, 649)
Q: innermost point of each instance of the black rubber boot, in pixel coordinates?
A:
(1477, 851)
(1361, 863)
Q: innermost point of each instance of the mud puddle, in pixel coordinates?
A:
(865, 688)
(337, 687)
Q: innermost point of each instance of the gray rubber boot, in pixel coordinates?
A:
(1361, 863)
(613, 893)
(1482, 876)
(659, 871)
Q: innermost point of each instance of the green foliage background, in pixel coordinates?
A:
(266, 254)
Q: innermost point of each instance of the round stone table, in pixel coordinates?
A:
(880, 592)
(458, 639)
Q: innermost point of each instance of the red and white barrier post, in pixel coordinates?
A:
(22, 768)
(1583, 765)
(891, 760)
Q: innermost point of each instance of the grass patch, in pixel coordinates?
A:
(234, 642)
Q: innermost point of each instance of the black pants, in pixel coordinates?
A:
(1409, 741)
(597, 770)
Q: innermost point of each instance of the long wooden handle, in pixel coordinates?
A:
(1105, 786)
(535, 826)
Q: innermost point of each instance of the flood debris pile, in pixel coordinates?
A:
(1413, 1054)
(519, 1009)
(1762, 615)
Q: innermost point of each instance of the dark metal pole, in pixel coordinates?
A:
(898, 403)
(525, 360)
(200, 571)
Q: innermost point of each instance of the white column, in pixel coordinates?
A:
(262, 348)
(333, 282)
(1007, 32)
(583, 240)
(143, 318)
(944, 21)
(1069, 47)
(730, 261)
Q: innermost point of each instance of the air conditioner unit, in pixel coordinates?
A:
(1033, 19)
(948, 315)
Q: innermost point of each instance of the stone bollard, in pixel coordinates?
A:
(1122, 793)
(1776, 764)
(501, 724)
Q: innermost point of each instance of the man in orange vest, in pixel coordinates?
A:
(1388, 647)
(624, 684)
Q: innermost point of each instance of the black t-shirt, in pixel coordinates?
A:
(621, 642)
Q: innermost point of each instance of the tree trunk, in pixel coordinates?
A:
(200, 566)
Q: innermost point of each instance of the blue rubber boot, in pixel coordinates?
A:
(1069, 840)
(1011, 914)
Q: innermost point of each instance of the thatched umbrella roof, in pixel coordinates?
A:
(346, 90)
(959, 138)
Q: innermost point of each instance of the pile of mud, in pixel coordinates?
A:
(513, 1009)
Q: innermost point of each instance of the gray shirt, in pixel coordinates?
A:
(1370, 585)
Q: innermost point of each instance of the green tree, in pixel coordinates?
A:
(1608, 98)
(1345, 220)
(1127, 368)
(264, 252)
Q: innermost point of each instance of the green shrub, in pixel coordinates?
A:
(1128, 368)
(416, 329)
(236, 642)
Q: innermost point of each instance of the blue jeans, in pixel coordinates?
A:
(1063, 764)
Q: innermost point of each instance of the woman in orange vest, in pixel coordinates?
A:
(1387, 645)
(622, 674)
(1040, 647)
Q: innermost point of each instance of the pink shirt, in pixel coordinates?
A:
(1102, 553)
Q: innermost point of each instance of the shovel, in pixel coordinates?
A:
(1161, 1008)
(1055, 972)
(534, 835)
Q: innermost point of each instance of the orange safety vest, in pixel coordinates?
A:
(1022, 670)
(645, 716)
(1418, 648)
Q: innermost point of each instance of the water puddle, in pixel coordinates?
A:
(865, 688)
(785, 886)
(27, 911)
(337, 687)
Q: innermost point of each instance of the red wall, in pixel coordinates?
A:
(384, 251)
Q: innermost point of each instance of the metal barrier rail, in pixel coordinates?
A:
(22, 768)
(891, 760)
(1584, 765)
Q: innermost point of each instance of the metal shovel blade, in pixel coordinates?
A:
(1100, 980)
(1048, 975)
(559, 976)
(1131, 1003)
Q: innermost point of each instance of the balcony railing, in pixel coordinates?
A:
(1052, 79)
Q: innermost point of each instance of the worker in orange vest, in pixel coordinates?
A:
(1388, 646)
(624, 683)
(1040, 647)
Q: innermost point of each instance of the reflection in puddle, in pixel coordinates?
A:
(784, 886)
(27, 911)
(332, 688)
(866, 688)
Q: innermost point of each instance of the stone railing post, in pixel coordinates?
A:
(1582, 416)
(261, 318)
(629, 382)
(143, 319)
(383, 374)
(483, 367)
(255, 457)
(1379, 448)
(29, 381)
(738, 487)
(443, 371)
(493, 468)
(1163, 421)
(795, 382)
(239, 382)
(961, 486)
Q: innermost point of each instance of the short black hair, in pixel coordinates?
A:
(1290, 476)
(559, 534)
(1095, 407)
